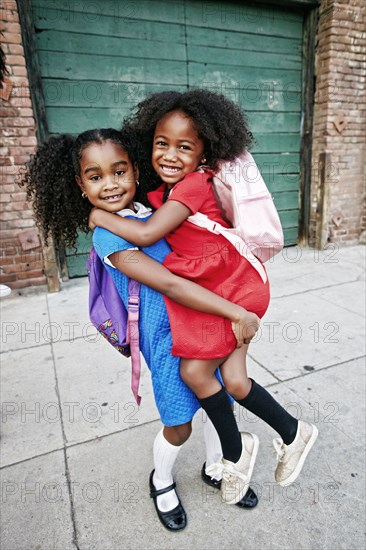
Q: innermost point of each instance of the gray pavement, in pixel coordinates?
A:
(76, 451)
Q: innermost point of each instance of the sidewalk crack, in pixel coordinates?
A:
(310, 290)
(67, 470)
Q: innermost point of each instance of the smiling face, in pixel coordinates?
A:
(107, 176)
(177, 148)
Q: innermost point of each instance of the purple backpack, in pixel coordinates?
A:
(108, 314)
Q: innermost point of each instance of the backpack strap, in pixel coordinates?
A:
(230, 234)
(133, 336)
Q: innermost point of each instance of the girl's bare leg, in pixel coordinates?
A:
(199, 375)
(177, 435)
(234, 373)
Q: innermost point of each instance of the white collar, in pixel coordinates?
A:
(141, 211)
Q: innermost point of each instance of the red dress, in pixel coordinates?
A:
(211, 261)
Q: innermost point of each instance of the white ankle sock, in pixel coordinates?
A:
(213, 445)
(165, 455)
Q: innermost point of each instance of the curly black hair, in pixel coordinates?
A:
(49, 179)
(219, 122)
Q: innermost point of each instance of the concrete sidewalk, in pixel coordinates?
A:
(77, 452)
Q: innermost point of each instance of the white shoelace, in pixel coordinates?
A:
(227, 471)
(215, 469)
(279, 448)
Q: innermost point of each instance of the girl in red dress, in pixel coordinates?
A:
(181, 132)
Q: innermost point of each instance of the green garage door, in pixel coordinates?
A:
(98, 59)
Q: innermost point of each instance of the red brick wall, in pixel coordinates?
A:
(340, 123)
(21, 260)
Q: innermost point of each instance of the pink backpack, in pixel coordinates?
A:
(247, 205)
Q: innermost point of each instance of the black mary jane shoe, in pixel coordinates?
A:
(174, 520)
(249, 500)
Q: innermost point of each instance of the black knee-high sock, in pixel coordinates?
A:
(219, 411)
(262, 404)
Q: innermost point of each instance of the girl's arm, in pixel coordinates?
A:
(140, 267)
(169, 216)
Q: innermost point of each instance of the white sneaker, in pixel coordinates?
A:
(236, 475)
(4, 290)
(291, 457)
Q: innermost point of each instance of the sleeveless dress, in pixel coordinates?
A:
(212, 262)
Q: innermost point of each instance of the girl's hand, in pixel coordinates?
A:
(246, 327)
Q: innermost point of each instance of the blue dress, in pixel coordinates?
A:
(175, 401)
